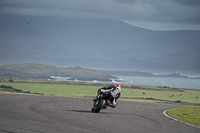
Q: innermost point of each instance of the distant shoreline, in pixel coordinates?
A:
(39, 71)
(146, 74)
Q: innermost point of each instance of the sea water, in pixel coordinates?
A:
(147, 81)
(159, 81)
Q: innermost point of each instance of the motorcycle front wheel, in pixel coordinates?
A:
(98, 105)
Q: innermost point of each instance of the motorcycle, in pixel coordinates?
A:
(102, 101)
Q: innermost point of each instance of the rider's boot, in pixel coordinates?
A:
(113, 104)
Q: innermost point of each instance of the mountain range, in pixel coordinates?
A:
(102, 44)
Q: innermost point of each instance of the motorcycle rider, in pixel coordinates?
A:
(115, 92)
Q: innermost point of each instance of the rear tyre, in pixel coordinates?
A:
(99, 106)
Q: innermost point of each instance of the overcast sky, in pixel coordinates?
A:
(151, 14)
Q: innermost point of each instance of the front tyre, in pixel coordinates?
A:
(99, 105)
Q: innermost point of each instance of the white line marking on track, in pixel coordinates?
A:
(178, 120)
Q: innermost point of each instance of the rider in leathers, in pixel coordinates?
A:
(114, 91)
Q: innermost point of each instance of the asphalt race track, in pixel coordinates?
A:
(45, 114)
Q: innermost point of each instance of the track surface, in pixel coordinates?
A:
(45, 114)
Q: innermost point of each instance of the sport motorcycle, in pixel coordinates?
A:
(102, 101)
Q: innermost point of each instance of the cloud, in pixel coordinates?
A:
(156, 11)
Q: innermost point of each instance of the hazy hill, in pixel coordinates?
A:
(97, 43)
(30, 70)
(39, 71)
(4, 72)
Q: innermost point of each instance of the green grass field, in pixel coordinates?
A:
(189, 115)
(148, 94)
(56, 89)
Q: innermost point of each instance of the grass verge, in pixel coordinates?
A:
(189, 115)
(89, 90)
